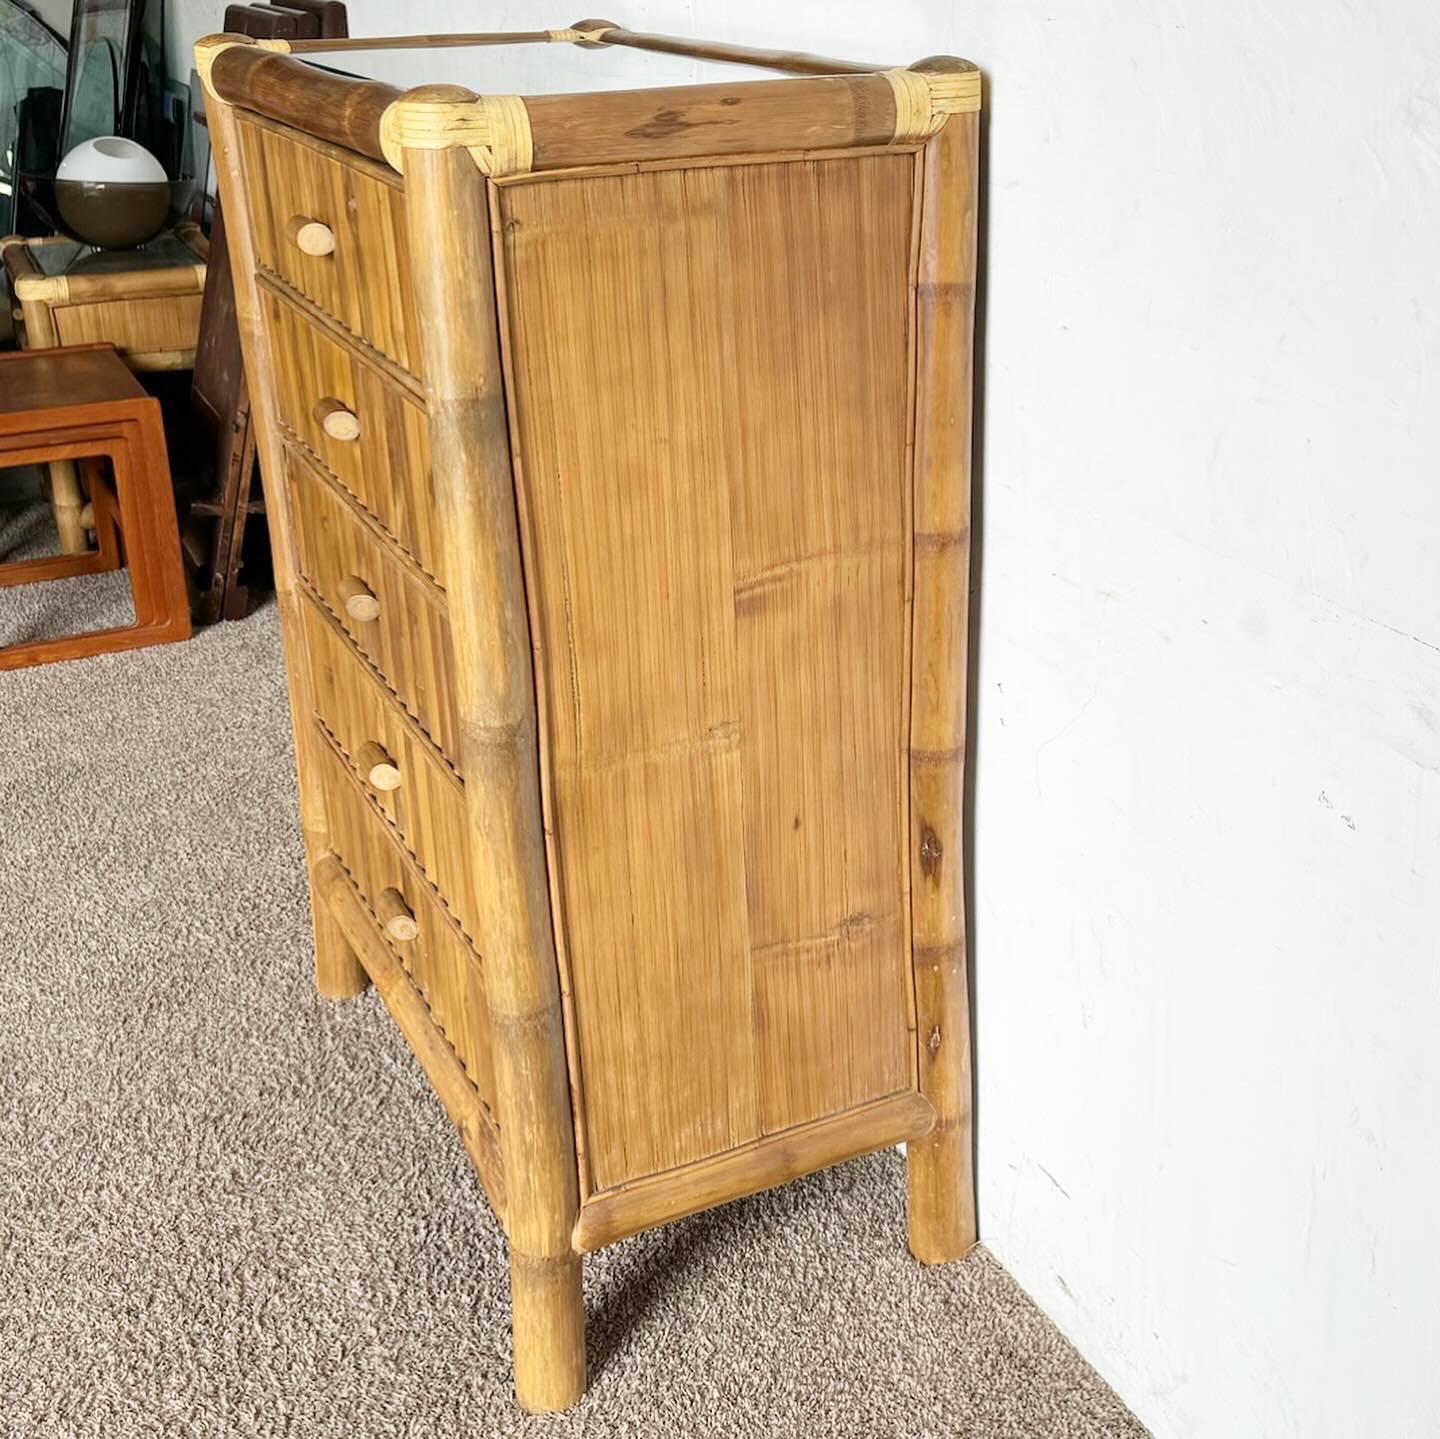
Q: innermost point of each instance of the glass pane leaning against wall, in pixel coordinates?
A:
(32, 57)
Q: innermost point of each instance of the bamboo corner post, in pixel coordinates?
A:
(940, 1167)
(624, 566)
(448, 210)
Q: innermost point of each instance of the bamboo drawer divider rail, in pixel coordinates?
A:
(617, 449)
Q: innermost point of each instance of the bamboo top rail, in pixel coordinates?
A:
(822, 104)
(592, 35)
(457, 40)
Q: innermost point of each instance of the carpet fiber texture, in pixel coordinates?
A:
(228, 1207)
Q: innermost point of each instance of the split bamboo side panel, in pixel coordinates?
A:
(717, 555)
(618, 449)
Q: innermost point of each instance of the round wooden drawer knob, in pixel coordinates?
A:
(396, 916)
(310, 237)
(359, 600)
(377, 766)
(337, 420)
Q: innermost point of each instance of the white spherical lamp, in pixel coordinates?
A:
(111, 158)
(112, 192)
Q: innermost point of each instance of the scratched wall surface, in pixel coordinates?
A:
(1207, 916)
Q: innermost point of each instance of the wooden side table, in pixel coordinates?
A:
(145, 302)
(84, 405)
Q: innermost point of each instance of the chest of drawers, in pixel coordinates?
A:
(617, 450)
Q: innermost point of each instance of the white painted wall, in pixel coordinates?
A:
(1207, 922)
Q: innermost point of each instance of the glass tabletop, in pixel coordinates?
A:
(70, 257)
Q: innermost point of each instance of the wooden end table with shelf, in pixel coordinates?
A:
(82, 405)
(144, 302)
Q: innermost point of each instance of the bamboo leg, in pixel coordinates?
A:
(941, 1180)
(942, 1226)
(338, 971)
(939, 1169)
(449, 219)
(547, 1320)
(67, 500)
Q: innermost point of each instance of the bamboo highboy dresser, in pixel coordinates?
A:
(617, 450)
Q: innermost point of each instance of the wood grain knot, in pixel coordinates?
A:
(933, 1043)
(666, 124)
(931, 850)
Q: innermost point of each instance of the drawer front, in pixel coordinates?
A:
(444, 968)
(395, 617)
(369, 432)
(145, 325)
(402, 775)
(332, 225)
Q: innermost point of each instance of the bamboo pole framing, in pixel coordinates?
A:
(339, 973)
(614, 1214)
(461, 40)
(940, 1166)
(449, 220)
(788, 62)
(814, 110)
(591, 35)
(341, 109)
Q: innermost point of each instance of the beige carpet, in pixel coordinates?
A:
(230, 1208)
